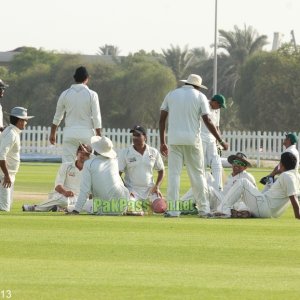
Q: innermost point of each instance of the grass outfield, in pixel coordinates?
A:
(53, 256)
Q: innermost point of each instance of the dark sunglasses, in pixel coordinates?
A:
(239, 163)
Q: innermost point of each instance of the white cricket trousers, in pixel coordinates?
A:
(57, 199)
(213, 160)
(54, 199)
(6, 194)
(255, 200)
(192, 157)
(72, 137)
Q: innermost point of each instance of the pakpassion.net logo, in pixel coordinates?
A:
(120, 206)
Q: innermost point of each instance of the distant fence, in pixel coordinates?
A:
(256, 145)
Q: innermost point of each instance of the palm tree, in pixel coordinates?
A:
(200, 55)
(109, 50)
(178, 60)
(239, 44)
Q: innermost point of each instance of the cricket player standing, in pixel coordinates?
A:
(184, 107)
(210, 150)
(81, 108)
(10, 155)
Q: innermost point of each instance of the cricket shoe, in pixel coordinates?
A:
(240, 214)
(56, 208)
(220, 215)
(28, 207)
(205, 215)
(172, 214)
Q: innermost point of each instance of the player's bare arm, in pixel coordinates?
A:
(52, 137)
(155, 188)
(60, 189)
(6, 180)
(295, 205)
(162, 132)
(98, 131)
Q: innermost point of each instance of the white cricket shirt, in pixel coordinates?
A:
(100, 177)
(139, 168)
(287, 184)
(10, 148)
(206, 135)
(185, 106)
(292, 149)
(69, 176)
(81, 106)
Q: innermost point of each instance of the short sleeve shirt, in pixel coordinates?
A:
(286, 185)
(185, 106)
(139, 168)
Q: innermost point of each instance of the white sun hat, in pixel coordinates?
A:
(194, 80)
(103, 146)
(20, 112)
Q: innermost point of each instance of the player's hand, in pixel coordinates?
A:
(68, 194)
(6, 182)
(164, 149)
(52, 139)
(155, 190)
(225, 146)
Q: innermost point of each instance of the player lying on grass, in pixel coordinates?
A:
(274, 201)
(239, 165)
(67, 184)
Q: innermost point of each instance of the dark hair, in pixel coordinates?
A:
(81, 74)
(13, 120)
(84, 147)
(194, 86)
(288, 160)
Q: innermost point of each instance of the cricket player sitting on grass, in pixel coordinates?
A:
(274, 201)
(100, 176)
(67, 184)
(138, 162)
(290, 143)
(239, 165)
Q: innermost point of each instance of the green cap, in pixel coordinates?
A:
(293, 138)
(220, 99)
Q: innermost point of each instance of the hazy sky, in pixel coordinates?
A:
(84, 26)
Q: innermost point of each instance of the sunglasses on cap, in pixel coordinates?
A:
(239, 163)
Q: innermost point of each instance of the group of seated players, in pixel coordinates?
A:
(93, 183)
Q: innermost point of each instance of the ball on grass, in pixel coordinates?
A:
(159, 205)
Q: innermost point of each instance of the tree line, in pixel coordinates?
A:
(262, 88)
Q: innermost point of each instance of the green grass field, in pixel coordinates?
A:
(54, 256)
